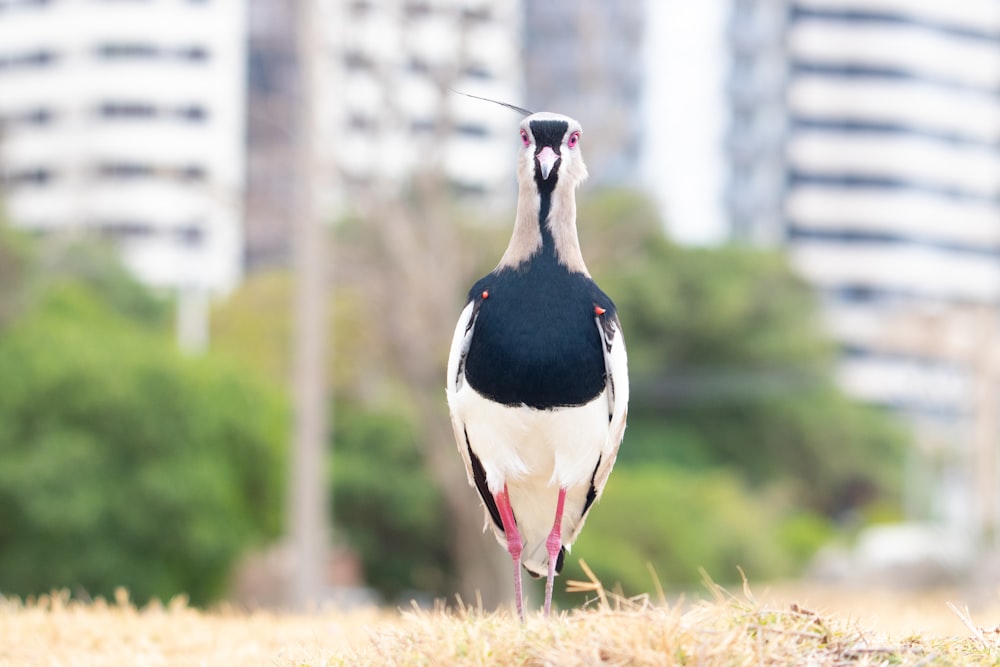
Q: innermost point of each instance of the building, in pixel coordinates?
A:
(400, 64)
(890, 206)
(272, 124)
(757, 125)
(127, 120)
(893, 198)
(387, 107)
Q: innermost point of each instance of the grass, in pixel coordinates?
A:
(851, 628)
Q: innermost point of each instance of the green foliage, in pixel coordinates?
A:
(15, 259)
(679, 521)
(90, 262)
(253, 325)
(122, 462)
(387, 504)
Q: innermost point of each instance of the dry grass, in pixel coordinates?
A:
(778, 628)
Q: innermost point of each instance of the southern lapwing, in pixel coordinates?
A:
(537, 376)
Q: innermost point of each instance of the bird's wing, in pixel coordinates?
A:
(456, 377)
(616, 373)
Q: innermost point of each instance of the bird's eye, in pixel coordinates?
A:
(574, 139)
(524, 138)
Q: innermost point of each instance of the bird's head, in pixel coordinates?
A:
(550, 150)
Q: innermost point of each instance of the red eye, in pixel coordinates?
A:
(573, 140)
(524, 138)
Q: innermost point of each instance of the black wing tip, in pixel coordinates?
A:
(522, 111)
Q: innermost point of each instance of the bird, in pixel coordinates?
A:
(537, 384)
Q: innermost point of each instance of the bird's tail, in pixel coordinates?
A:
(536, 561)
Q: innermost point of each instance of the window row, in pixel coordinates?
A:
(363, 123)
(356, 60)
(111, 171)
(186, 234)
(189, 113)
(416, 9)
(147, 51)
(112, 51)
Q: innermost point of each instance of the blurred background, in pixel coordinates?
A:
(235, 236)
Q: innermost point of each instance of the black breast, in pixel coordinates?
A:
(535, 340)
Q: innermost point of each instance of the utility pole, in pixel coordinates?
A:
(309, 526)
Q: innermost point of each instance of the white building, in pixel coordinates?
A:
(894, 177)
(395, 62)
(863, 136)
(127, 119)
(386, 109)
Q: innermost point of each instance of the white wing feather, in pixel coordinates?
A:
(616, 366)
(456, 378)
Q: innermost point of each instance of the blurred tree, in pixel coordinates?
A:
(14, 262)
(386, 504)
(123, 462)
(729, 365)
(252, 326)
(94, 263)
(680, 522)
(408, 264)
(387, 507)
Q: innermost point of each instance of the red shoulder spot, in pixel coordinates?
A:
(599, 311)
(486, 294)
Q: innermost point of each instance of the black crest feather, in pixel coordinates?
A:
(523, 112)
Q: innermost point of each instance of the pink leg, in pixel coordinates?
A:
(553, 544)
(514, 544)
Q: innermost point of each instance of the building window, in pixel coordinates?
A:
(28, 59)
(192, 53)
(146, 51)
(471, 130)
(478, 72)
(127, 50)
(190, 235)
(124, 170)
(462, 189)
(134, 230)
(127, 110)
(124, 231)
(417, 9)
(361, 122)
(141, 110)
(357, 61)
(193, 114)
(360, 8)
(423, 126)
(477, 14)
(190, 173)
(22, 4)
(128, 171)
(29, 118)
(34, 176)
(419, 65)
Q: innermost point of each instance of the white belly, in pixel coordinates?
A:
(535, 453)
(559, 447)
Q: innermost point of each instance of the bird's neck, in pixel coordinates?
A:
(545, 225)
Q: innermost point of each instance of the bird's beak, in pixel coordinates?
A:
(546, 160)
